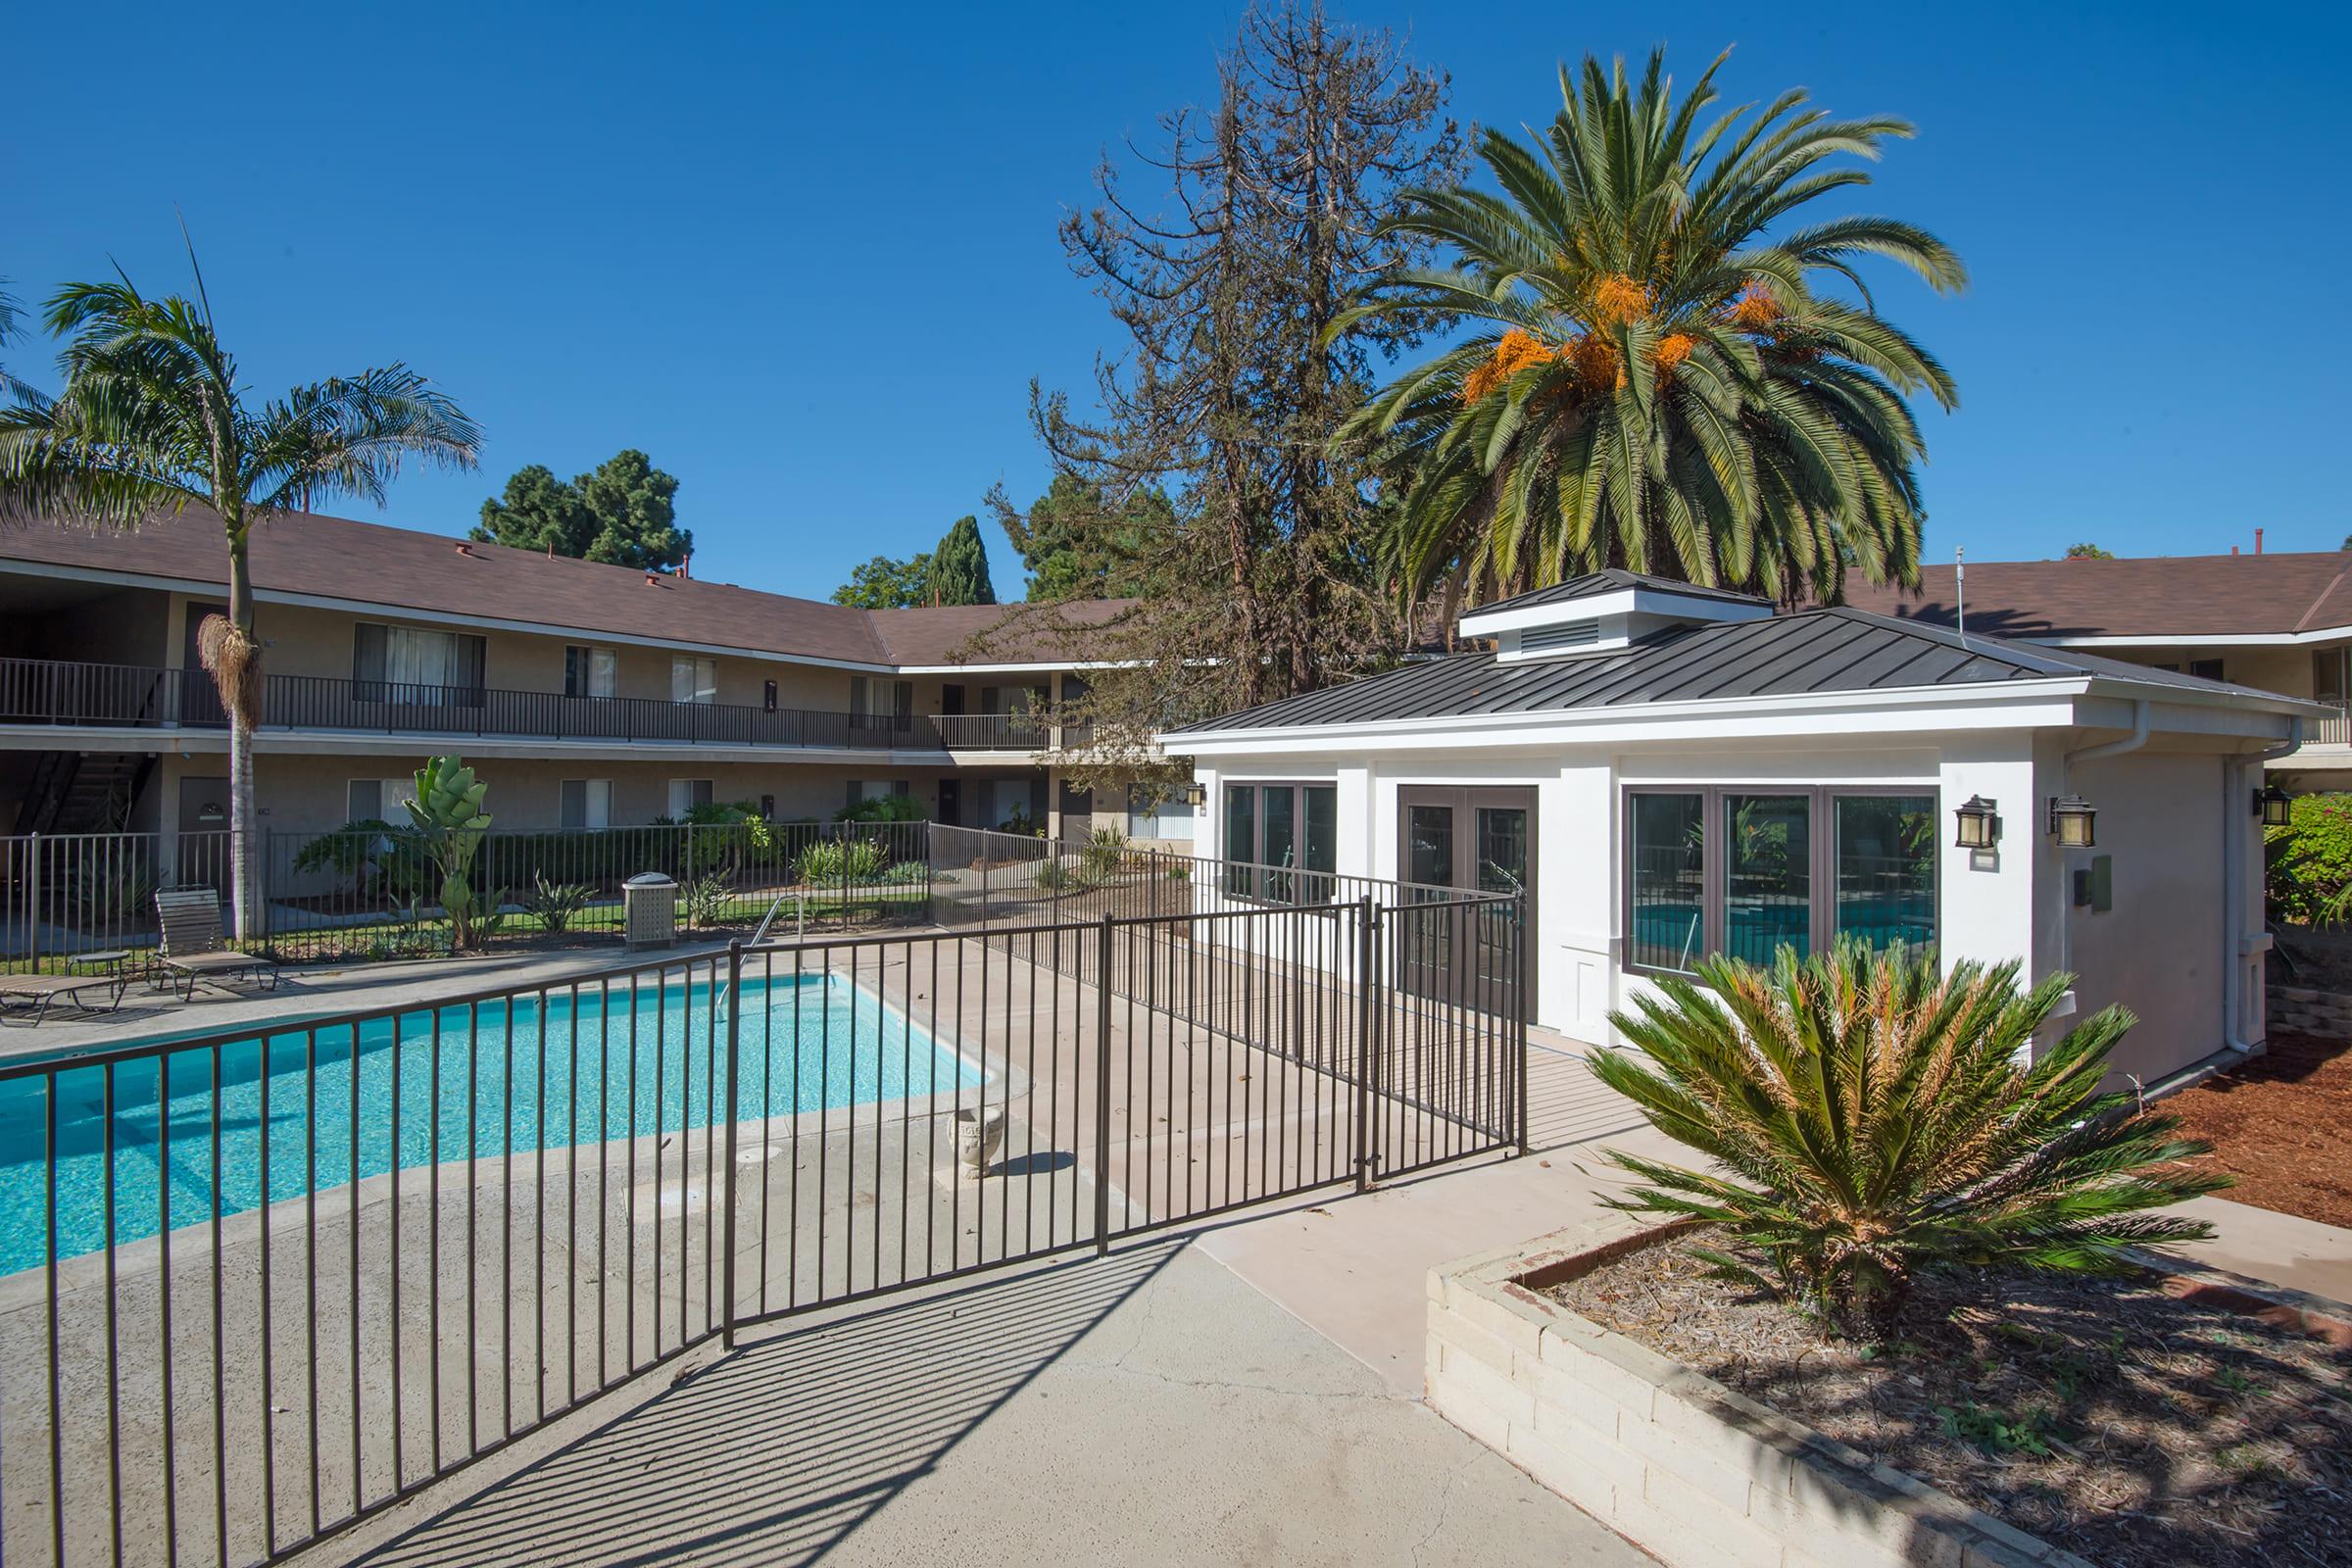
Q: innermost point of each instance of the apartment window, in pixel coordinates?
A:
(417, 666)
(378, 800)
(877, 704)
(861, 790)
(591, 671)
(1747, 870)
(1279, 831)
(693, 679)
(588, 803)
(2205, 668)
(685, 793)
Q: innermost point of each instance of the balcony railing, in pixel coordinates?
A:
(2333, 730)
(992, 732)
(53, 692)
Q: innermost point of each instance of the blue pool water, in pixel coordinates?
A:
(524, 1077)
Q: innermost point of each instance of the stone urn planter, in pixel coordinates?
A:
(978, 1136)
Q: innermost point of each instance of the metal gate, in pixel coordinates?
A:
(253, 1288)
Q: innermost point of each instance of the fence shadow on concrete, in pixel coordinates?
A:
(774, 1454)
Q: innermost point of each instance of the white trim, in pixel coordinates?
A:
(1614, 602)
(2249, 639)
(375, 608)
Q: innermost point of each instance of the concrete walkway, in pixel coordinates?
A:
(1150, 1408)
(1353, 1268)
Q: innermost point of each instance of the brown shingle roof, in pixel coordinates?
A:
(991, 634)
(401, 568)
(2161, 596)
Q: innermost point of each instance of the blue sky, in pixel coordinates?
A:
(806, 259)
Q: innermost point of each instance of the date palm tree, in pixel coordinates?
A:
(1658, 381)
(152, 420)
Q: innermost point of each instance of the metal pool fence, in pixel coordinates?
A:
(257, 1287)
(355, 897)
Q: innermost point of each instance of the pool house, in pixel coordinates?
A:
(1670, 772)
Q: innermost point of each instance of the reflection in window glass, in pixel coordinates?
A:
(1320, 850)
(1669, 907)
(1887, 868)
(1241, 838)
(1768, 891)
(1279, 852)
(1429, 846)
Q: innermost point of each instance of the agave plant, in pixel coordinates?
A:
(1870, 1118)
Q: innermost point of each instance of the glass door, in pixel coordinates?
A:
(1458, 841)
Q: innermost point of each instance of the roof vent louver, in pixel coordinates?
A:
(1559, 637)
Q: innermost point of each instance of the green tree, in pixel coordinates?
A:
(1074, 546)
(1239, 359)
(152, 420)
(10, 326)
(1658, 385)
(2089, 553)
(622, 513)
(959, 566)
(885, 583)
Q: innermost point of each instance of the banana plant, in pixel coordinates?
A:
(447, 809)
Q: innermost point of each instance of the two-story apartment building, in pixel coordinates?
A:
(2281, 623)
(589, 696)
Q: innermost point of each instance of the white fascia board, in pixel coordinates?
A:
(2248, 639)
(1617, 602)
(537, 628)
(1017, 669)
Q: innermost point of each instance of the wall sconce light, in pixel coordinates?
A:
(1980, 823)
(2071, 819)
(1195, 795)
(2274, 805)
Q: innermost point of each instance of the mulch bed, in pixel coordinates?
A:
(2282, 1125)
(2103, 1416)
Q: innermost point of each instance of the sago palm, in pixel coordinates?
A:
(152, 420)
(1870, 1118)
(1658, 381)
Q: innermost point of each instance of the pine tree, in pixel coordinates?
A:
(959, 566)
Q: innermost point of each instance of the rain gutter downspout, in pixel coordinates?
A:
(2238, 946)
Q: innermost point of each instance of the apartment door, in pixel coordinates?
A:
(951, 801)
(201, 856)
(1462, 840)
(199, 698)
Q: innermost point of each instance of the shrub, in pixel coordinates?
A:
(2307, 872)
(883, 809)
(1053, 876)
(451, 823)
(1103, 852)
(705, 899)
(555, 902)
(839, 861)
(1871, 1118)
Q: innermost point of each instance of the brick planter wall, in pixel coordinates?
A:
(2310, 1013)
(1699, 1476)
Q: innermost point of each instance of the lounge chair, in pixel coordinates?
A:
(41, 991)
(193, 948)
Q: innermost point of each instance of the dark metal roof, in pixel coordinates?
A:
(1795, 655)
(1609, 580)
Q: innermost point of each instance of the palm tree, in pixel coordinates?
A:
(1657, 384)
(152, 420)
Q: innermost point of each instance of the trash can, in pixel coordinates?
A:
(650, 904)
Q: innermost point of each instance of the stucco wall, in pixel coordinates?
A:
(2159, 950)
(2161, 821)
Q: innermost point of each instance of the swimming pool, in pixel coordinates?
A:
(580, 1070)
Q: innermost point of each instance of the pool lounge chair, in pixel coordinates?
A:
(194, 949)
(40, 991)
